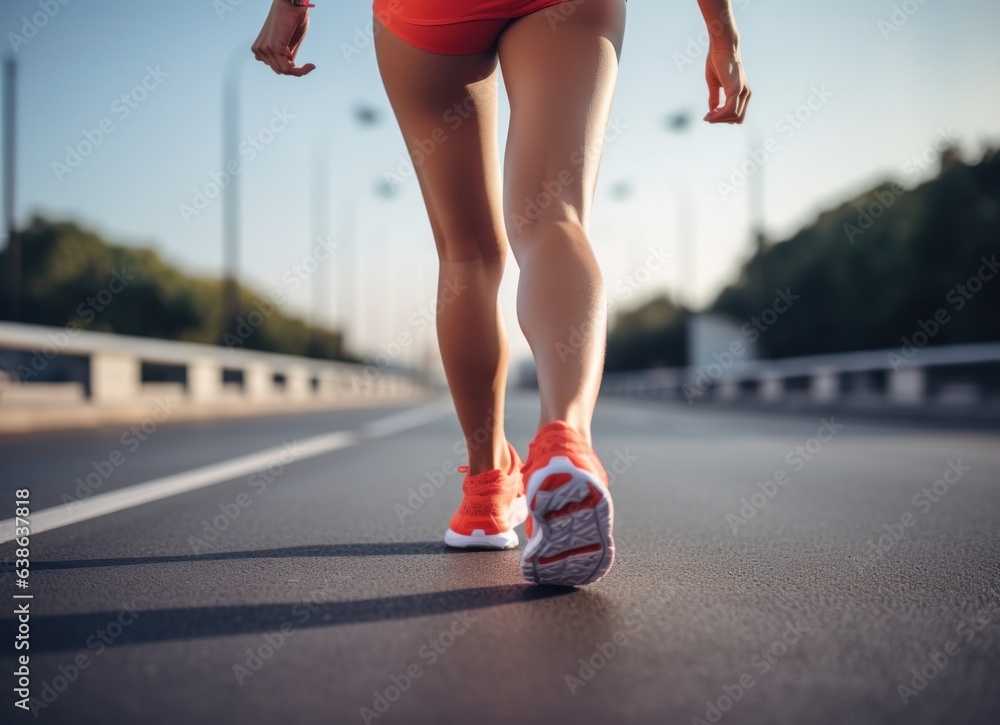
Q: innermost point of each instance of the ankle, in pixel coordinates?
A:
(484, 458)
(578, 426)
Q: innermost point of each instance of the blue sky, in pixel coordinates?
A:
(879, 96)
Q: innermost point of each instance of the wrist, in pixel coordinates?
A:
(725, 43)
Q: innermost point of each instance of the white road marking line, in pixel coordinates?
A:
(160, 488)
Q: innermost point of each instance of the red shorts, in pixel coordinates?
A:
(455, 27)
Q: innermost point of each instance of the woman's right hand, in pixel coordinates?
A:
(724, 73)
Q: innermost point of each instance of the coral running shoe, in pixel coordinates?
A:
(570, 510)
(494, 504)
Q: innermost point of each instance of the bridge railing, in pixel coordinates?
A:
(110, 369)
(907, 376)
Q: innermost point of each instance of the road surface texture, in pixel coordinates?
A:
(771, 569)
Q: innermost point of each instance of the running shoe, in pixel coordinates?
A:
(494, 504)
(570, 510)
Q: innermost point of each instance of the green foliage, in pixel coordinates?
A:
(652, 335)
(864, 281)
(71, 275)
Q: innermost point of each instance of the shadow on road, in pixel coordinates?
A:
(409, 548)
(72, 631)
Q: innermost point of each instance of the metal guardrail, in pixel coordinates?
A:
(112, 369)
(826, 378)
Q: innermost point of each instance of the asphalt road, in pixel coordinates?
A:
(329, 599)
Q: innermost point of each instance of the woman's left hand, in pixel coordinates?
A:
(280, 38)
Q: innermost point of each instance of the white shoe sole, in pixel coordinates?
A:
(479, 539)
(576, 548)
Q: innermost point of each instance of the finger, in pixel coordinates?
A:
(287, 67)
(725, 114)
(742, 109)
(275, 61)
(741, 101)
(714, 99)
(299, 72)
(713, 95)
(731, 109)
(746, 103)
(282, 59)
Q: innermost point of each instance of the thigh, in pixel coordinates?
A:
(447, 110)
(560, 71)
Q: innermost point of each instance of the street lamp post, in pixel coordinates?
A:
(756, 197)
(9, 197)
(320, 224)
(754, 286)
(231, 98)
(679, 122)
(366, 116)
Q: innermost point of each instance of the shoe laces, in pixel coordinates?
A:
(486, 484)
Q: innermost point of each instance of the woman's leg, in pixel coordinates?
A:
(446, 107)
(560, 79)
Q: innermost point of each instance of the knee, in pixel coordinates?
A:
(478, 259)
(551, 229)
(537, 216)
(460, 244)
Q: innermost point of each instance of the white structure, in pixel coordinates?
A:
(827, 379)
(113, 370)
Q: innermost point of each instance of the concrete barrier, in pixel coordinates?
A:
(109, 369)
(834, 379)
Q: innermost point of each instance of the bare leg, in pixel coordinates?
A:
(560, 80)
(459, 171)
